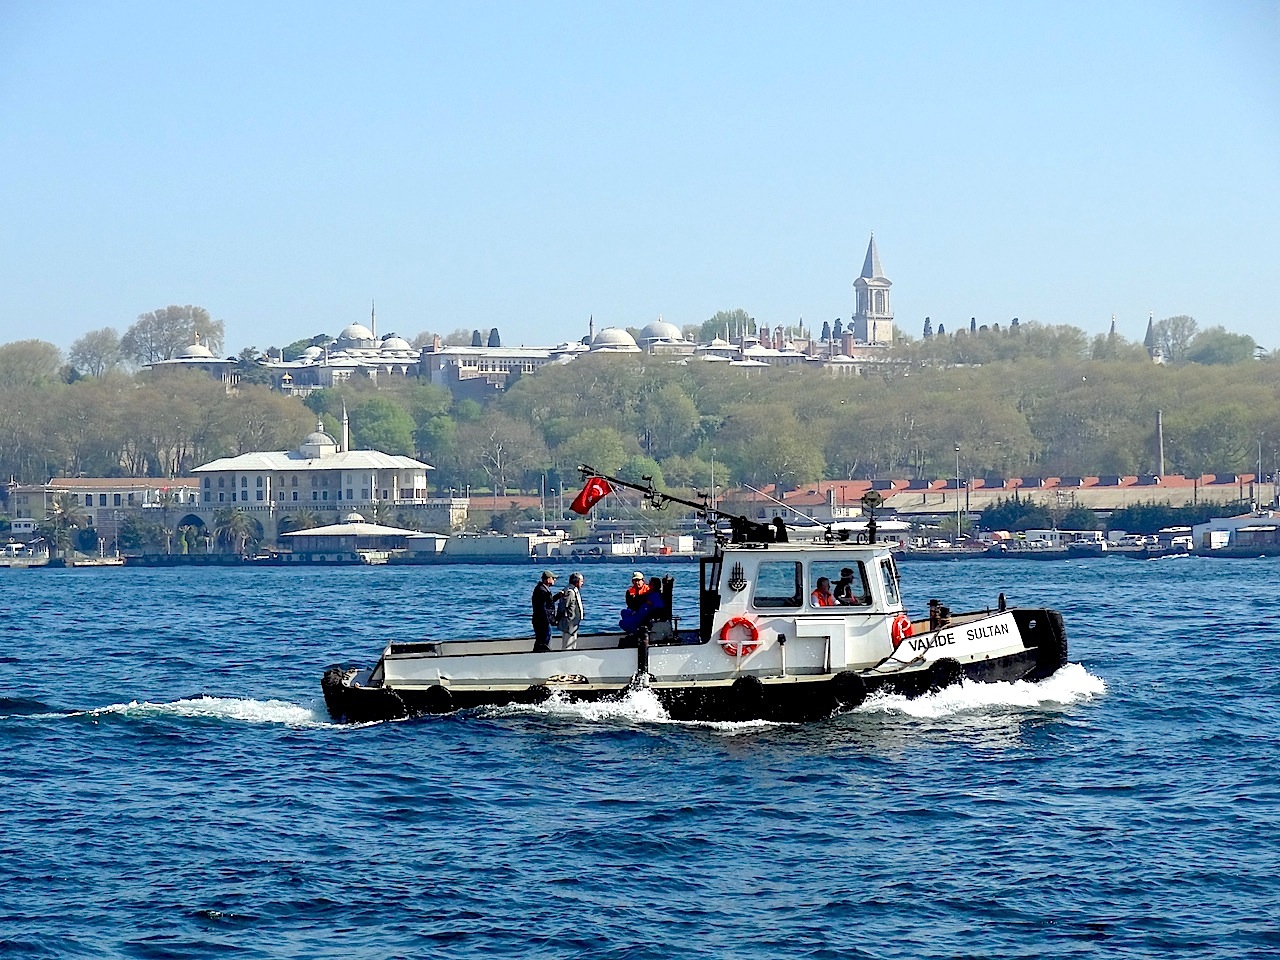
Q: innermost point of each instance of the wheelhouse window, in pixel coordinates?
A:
(779, 584)
(850, 590)
(889, 574)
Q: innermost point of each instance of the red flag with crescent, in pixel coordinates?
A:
(595, 490)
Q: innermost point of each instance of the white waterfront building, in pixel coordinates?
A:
(324, 477)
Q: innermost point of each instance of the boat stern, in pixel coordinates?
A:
(349, 698)
(1044, 631)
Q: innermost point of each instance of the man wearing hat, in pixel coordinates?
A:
(844, 588)
(544, 611)
(636, 592)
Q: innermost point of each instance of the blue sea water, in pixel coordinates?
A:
(170, 786)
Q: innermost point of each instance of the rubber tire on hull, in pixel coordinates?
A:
(538, 693)
(944, 673)
(748, 698)
(850, 689)
(438, 699)
(1045, 630)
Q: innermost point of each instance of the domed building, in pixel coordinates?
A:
(613, 340)
(322, 476)
(356, 336)
(199, 357)
(660, 330)
(197, 351)
(357, 352)
(663, 337)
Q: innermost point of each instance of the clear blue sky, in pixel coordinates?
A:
(527, 165)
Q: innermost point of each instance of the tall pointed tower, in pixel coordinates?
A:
(872, 318)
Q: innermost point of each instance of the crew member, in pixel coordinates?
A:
(636, 592)
(822, 595)
(544, 611)
(844, 588)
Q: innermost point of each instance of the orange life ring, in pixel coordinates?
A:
(748, 646)
(900, 629)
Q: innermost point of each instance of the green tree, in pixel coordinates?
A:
(726, 323)
(64, 517)
(637, 468)
(1216, 346)
(1211, 439)
(191, 539)
(163, 334)
(304, 519)
(669, 421)
(766, 445)
(1174, 335)
(296, 349)
(29, 363)
(501, 448)
(97, 352)
(1015, 513)
(600, 447)
(234, 529)
(1079, 518)
(380, 424)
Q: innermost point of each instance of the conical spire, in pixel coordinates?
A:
(871, 268)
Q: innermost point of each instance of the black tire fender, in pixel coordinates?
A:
(748, 698)
(849, 688)
(538, 693)
(438, 699)
(944, 673)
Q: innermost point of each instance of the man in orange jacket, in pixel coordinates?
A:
(636, 592)
(822, 595)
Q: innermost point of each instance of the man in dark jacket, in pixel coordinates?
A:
(544, 611)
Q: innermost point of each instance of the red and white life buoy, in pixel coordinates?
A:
(900, 629)
(744, 647)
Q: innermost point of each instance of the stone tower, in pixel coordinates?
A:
(872, 318)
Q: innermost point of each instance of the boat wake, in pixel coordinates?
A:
(279, 712)
(638, 705)
(1072, 684)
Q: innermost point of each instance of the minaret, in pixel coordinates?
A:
(873, 318)
(346, 429)
(373, 320)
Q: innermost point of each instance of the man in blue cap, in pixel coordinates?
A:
(544, 611)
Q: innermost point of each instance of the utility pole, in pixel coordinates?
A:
(957, 493)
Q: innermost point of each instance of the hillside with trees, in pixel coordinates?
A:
(1022, 399)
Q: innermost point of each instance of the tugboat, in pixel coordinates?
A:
(768, 641)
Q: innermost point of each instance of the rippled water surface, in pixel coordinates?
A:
(170, 786)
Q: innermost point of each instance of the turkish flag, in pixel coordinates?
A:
(595, 490)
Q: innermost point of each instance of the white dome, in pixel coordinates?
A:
(614, 338)
(396, 343)
(312, 352)
(197, 351)
(661, 330)
(356, 335)
(319, 439)
(353, 517)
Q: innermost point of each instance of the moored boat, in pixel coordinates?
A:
(764, 643)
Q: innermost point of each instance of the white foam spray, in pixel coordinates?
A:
(1069, 685)
(222, 708)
